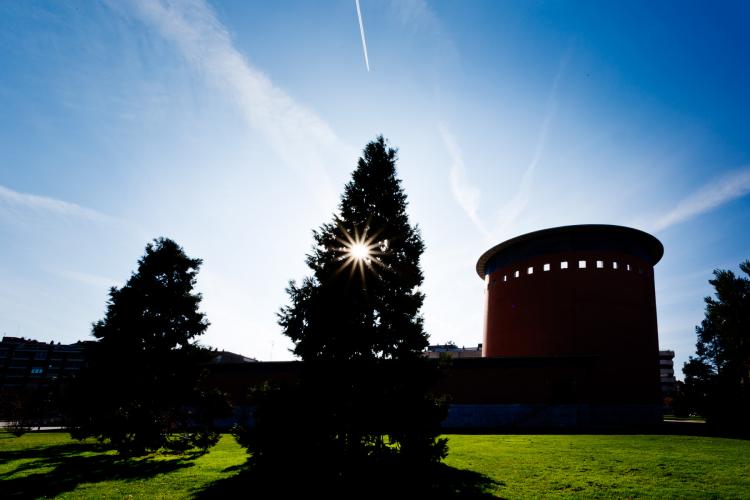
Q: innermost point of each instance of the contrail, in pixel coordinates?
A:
(362, 32)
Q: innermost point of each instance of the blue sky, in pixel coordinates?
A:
(232, 127)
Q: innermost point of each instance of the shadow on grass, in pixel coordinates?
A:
(442, 482)
(61, 450)
(61, 468)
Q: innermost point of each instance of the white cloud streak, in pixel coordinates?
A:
(510, 212)
(89, 279)
(415, 13)
(730, 186)
(14, 201)
(301, 138)
(362, 34)
(467, 195)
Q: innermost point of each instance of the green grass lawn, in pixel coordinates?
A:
(514, 466)
(607, 466)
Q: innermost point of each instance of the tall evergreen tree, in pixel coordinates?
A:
(718, 379)
(141, 388)
(356, 324)
(363, 299)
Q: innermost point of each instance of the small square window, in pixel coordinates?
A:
(564, 264)
(546, 267)
(581, 264)
(600, 264)
(614, 265)
(516, 274)
(530, 270)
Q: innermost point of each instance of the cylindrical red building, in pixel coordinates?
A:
(585, 290)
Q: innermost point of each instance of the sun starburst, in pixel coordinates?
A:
(360, 252)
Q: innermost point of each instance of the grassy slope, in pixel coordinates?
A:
(522, 467)
(607, 466)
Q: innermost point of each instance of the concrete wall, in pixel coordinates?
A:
(544, 416)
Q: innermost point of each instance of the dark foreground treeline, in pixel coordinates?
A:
(143, 387)
(364, 402)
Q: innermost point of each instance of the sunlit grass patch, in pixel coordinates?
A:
(511, 466)
(620, 466)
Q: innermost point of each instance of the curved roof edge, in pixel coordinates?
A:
(652, 246)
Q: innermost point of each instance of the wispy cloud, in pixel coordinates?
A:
(93, 280)
(510, 212)
(729, 187)
(467, 195)
(17, 203)
(301, 138)
(416, 14)
(362, 34)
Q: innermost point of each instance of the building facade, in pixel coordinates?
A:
(666, 372)
(26, 363)
(583, 291)
(452, 350)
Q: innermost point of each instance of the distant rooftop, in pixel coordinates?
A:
(223, 357)
(434, 351)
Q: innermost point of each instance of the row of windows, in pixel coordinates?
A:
(582, 264)
(36, 370)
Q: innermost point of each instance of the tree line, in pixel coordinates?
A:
(364, 399)
(717, 378)
(364, 405)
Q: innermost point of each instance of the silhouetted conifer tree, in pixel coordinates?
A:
(142, 388)
(365, 396)
(717, 381)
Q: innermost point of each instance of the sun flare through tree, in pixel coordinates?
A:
(361, 252)
(356, 325)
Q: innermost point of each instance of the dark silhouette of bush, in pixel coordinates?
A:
(25, 408)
